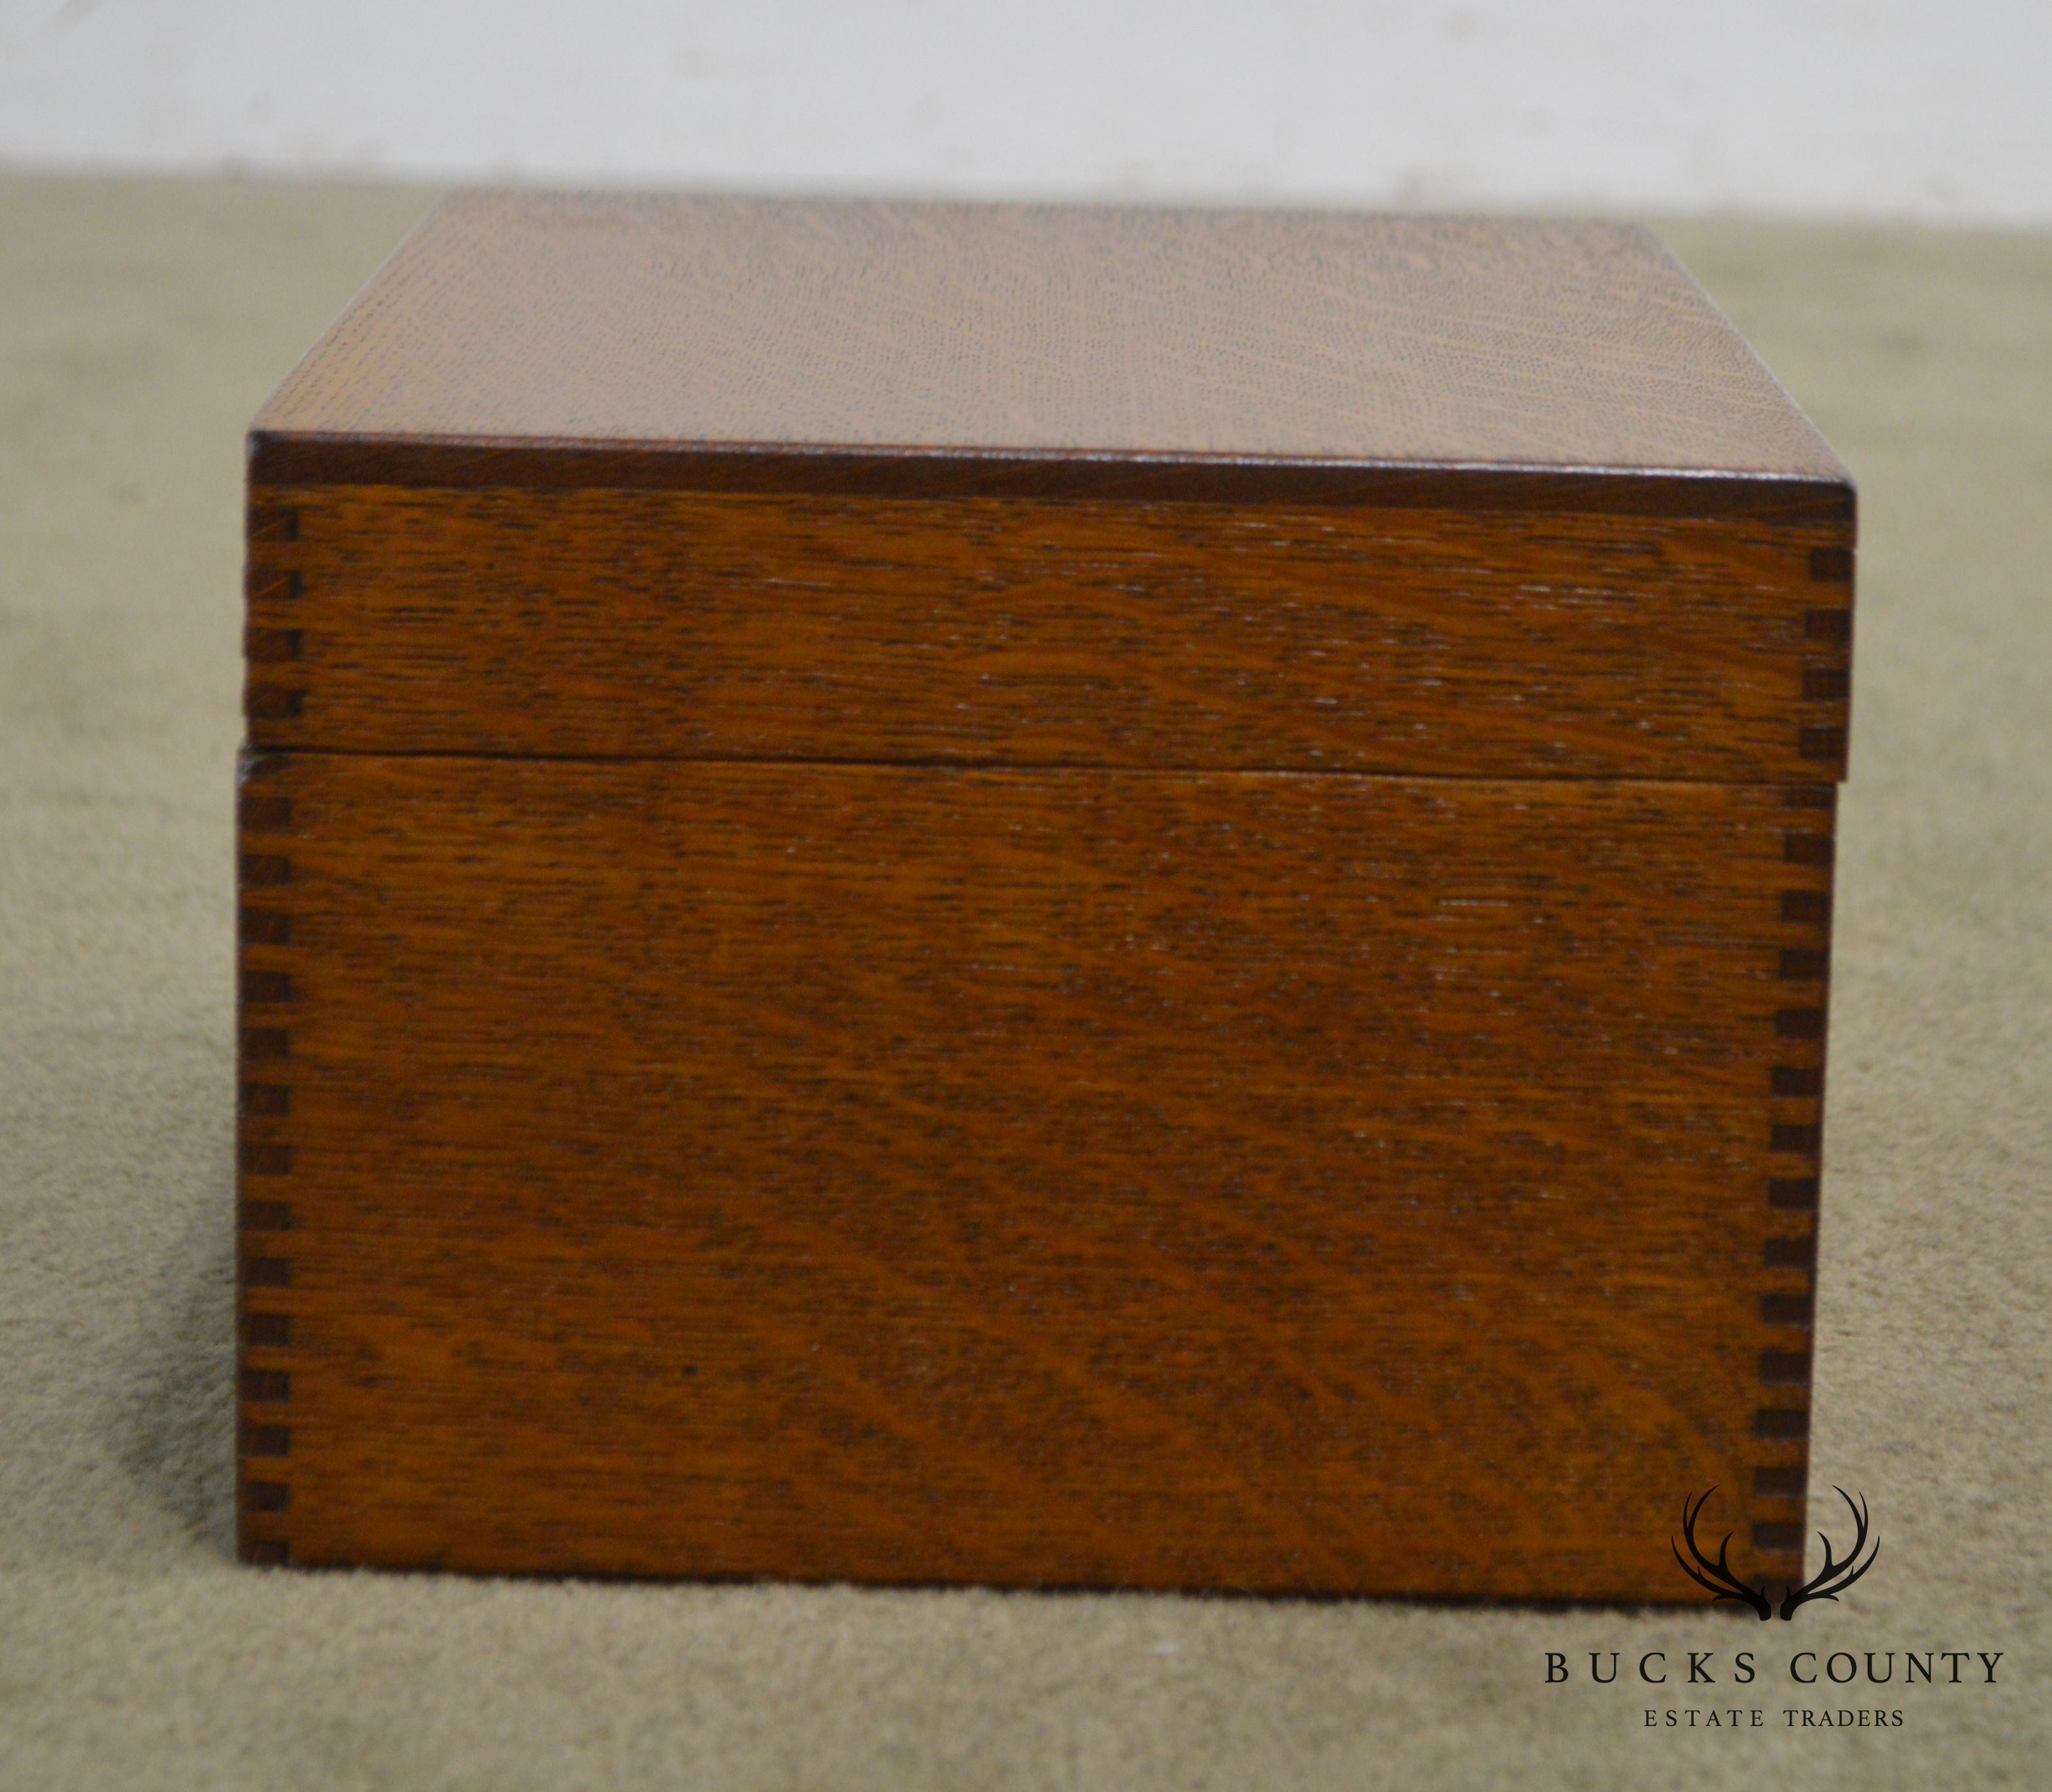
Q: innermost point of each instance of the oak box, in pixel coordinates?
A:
(1047, 896)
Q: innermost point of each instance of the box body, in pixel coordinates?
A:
(1061, 1005)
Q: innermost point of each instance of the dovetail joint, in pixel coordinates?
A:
(1794, 1129)
(1827, 681)
(272, 589)
(268, 992)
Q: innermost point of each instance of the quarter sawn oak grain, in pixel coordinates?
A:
(1072, 897)
(921, 350)
(1011, 631)
(1311, 1183)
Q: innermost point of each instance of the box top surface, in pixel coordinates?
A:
(921, 349)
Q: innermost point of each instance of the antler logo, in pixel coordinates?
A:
(1717, 1578)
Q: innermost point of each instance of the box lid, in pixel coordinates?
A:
(1042, 484)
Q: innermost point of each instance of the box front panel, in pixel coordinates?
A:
(625, 624)
(1277, 1182)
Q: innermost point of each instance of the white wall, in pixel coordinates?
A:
(1936, 109)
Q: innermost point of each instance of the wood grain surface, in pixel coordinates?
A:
(1063, 896)
(1091, 1178)
(979, 630)
(925, 350)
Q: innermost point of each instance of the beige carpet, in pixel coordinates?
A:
(139, 326)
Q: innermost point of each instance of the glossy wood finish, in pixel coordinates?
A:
(1081, 1178)
(1023, 631)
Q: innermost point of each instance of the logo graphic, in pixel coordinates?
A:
(1716, 1578)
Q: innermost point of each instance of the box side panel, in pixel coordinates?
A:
(988, 631)
(1296, 1183)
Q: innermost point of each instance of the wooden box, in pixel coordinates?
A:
(1046, 896)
